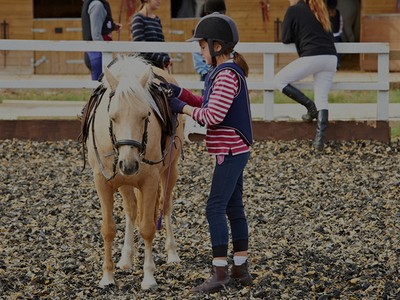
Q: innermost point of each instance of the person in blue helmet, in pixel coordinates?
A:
(200, 65)
(224, 109)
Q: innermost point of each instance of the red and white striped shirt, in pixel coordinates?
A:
(220, 140)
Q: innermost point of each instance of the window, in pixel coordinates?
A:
(187, 8)
(57, 9)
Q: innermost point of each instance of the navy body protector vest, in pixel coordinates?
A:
(108, 24)
(238, 116)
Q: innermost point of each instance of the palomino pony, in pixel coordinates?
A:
(128, 151)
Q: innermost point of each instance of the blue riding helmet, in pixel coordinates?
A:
(219, 28)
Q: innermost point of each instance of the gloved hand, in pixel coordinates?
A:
(172, 89)
(176, 90)
(176, 105)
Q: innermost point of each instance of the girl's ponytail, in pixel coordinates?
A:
(318, 7)
(241, 62)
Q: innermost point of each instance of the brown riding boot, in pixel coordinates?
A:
(241, 274)
(218, 280)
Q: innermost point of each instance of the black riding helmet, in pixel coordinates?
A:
(219, 28)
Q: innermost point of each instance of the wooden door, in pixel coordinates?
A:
(16, 23)
(54, 62)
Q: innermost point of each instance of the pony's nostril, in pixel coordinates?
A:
(128, 168)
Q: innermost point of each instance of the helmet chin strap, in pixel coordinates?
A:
(212, 52)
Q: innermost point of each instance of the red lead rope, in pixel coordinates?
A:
(130, 6)
(264, 4)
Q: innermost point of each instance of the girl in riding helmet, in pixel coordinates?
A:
(225, 109)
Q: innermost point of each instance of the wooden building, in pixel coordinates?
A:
(379, 21)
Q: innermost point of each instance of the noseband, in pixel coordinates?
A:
(141, 146)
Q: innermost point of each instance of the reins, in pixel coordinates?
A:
(168, 175)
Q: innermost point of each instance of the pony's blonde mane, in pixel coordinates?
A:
(128, 70)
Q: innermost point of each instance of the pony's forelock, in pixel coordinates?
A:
(128, 70)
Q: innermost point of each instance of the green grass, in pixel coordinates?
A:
(334, 97)
(46, 94)
(395, 130)
(255, 96)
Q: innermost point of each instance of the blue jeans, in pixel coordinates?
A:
(225, 199)
(95, 59)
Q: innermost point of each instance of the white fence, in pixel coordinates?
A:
(265, 110)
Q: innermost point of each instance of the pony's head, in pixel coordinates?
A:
(129, 79)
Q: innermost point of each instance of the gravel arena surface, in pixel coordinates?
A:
(322, 226)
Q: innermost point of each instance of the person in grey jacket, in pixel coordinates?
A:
(97, 25)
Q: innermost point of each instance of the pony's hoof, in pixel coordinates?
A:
(124, 265)
(173, 259)
(148, 286)
(106, 281)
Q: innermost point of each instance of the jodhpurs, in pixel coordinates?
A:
(225, 199)
(323, 69)
(95, 60)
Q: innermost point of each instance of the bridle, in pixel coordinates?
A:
(141, 146)
(116, 144)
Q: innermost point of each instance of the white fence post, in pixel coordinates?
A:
(269, 75)
(382, 111)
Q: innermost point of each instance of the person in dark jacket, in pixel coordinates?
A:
(97, 25)
(307, 25)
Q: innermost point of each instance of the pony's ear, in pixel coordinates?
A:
(112, 81)
(146, 77)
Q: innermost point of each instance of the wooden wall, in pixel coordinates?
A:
(247, 14)
(373, 7)
(380, 22)
(19, 19)
(248, 18)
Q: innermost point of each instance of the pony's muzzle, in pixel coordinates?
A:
(128, 167)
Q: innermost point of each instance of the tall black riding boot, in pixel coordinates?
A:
(322, 124)
(299, 97)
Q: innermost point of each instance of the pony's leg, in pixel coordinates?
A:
(130, 209)
(147, 230)
(108, 229)
(170, 243)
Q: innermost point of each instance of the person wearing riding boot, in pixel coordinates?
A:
(97, 25)
(307, 25)
(146, 27)
(224, 109)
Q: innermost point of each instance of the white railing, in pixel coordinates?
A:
(381, 85)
